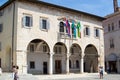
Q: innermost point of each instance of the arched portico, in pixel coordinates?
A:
(38, 57)
(75, 58)
(91, 59)
(59, 58)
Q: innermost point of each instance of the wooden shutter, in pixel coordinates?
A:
(31, 21)
(24, 21)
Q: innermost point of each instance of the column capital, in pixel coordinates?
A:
(51, 53)
(82, 55)
(68, 54)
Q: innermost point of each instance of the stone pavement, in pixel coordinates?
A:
(85, 76)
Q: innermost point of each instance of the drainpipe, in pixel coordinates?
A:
(13, 36)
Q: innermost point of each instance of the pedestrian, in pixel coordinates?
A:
(101, 72)
(15, 72)
(0, 71)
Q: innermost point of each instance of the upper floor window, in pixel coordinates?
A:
(58, 50)
(61, 29)
(27, 21)
(119, 23)
(111, 43)
(97, 33)
(32, 47)
(108, 27)
(87, 31)
(44, 48)
(1, 12)
(44, 24)
(112, 26)
(0, 46)
(1, 27)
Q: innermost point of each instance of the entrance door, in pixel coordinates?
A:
(112, 66)
(45, 68)
(58, 66)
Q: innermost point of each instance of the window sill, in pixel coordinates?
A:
(46, 30)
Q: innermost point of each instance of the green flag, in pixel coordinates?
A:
(78, 29)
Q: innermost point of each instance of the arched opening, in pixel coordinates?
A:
(38, 57)
(75, 57)
(59, 58)
(91, 59)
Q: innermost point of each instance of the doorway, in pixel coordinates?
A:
(45, 65)
(58, 67)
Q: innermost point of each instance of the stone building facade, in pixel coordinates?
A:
(111, 36)
(43, 38)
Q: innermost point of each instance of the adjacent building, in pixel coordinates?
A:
(43, 38)
(112, 37)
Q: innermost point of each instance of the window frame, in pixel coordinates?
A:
(24, 21)
(32, 64)
(61, 28)
(97, 32)
(44, 48)
(1, 27)
(41, 23)
(33, 47)
(0, 46)
(87, 30)
(58, 49)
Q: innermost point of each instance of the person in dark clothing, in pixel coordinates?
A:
(101, 72)
(15, 72)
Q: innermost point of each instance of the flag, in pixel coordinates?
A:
(73, 29)
(68, 27)
(78, 29)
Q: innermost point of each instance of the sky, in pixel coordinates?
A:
(96, 7)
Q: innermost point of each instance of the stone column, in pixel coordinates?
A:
(51, 64)
(82, 64)
(67, 63)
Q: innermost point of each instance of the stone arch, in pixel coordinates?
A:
(38, 57)
(75, 51)
(59, 58)
(91, 59)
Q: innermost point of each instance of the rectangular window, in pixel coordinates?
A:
(44, 48)
(27, 21)
(32, 65)
(1, 27)
(87, 31)
(119, 23)
(0, 46)
(44, 24)
(1, 13)
(32, 47)
(58, 50)
(97, 33)
(108, 27)
(111, 43)
(112, 26)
